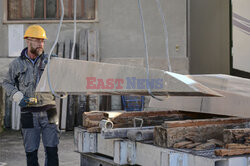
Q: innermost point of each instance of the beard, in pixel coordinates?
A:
(36, 51)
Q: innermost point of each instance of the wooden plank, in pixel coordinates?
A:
(93, 118)
(70, 113)
(153, 118)
(205, 146)
(217, 142)
(203, 122)
(93, 45)
(93, 55)
(83, 44)
(94, 130)
(167, 137)
(60, 49)
(82, 108)
(182, 144)
(67, 52)
(193, 145)
(236, 135)
(236, 146)
(95, 115)
(231, 152)
(105, 103)
(90, 123)
(64, 113)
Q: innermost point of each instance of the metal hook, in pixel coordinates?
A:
(139, 119)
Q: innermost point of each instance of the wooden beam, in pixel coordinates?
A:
(217, 142)
(182, 144)
(167, 137)
(92, 119)
(154, 118)
(205, 146)
(203, 122)
(95, 115)
(236, 146)
(236, 135)
(193, 145)
(231, 152)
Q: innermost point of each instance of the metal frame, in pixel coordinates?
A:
(6, 21)
(129, 152)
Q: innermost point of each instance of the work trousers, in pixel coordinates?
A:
(35, 124)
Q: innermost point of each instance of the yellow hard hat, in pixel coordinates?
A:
(35, 31)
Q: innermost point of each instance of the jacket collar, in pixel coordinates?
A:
(23, 56)
(23, 53)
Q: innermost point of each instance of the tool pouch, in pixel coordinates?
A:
(52, 116)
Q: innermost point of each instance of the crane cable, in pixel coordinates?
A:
(56, 40)
(74, 40)
(144, 35)
(146, 45)
(165, 33)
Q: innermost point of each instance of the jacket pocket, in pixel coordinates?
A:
(27, 120)
(24, 78)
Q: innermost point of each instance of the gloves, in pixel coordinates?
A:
(22, 100)
(18, 96)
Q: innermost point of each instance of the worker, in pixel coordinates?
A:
(38, 111)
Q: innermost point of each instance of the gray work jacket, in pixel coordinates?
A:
(24, 76)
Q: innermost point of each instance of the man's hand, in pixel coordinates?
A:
(18, 96)
(22, 100)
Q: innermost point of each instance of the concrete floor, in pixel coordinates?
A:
(12, 150)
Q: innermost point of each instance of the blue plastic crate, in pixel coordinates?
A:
(133, 103)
